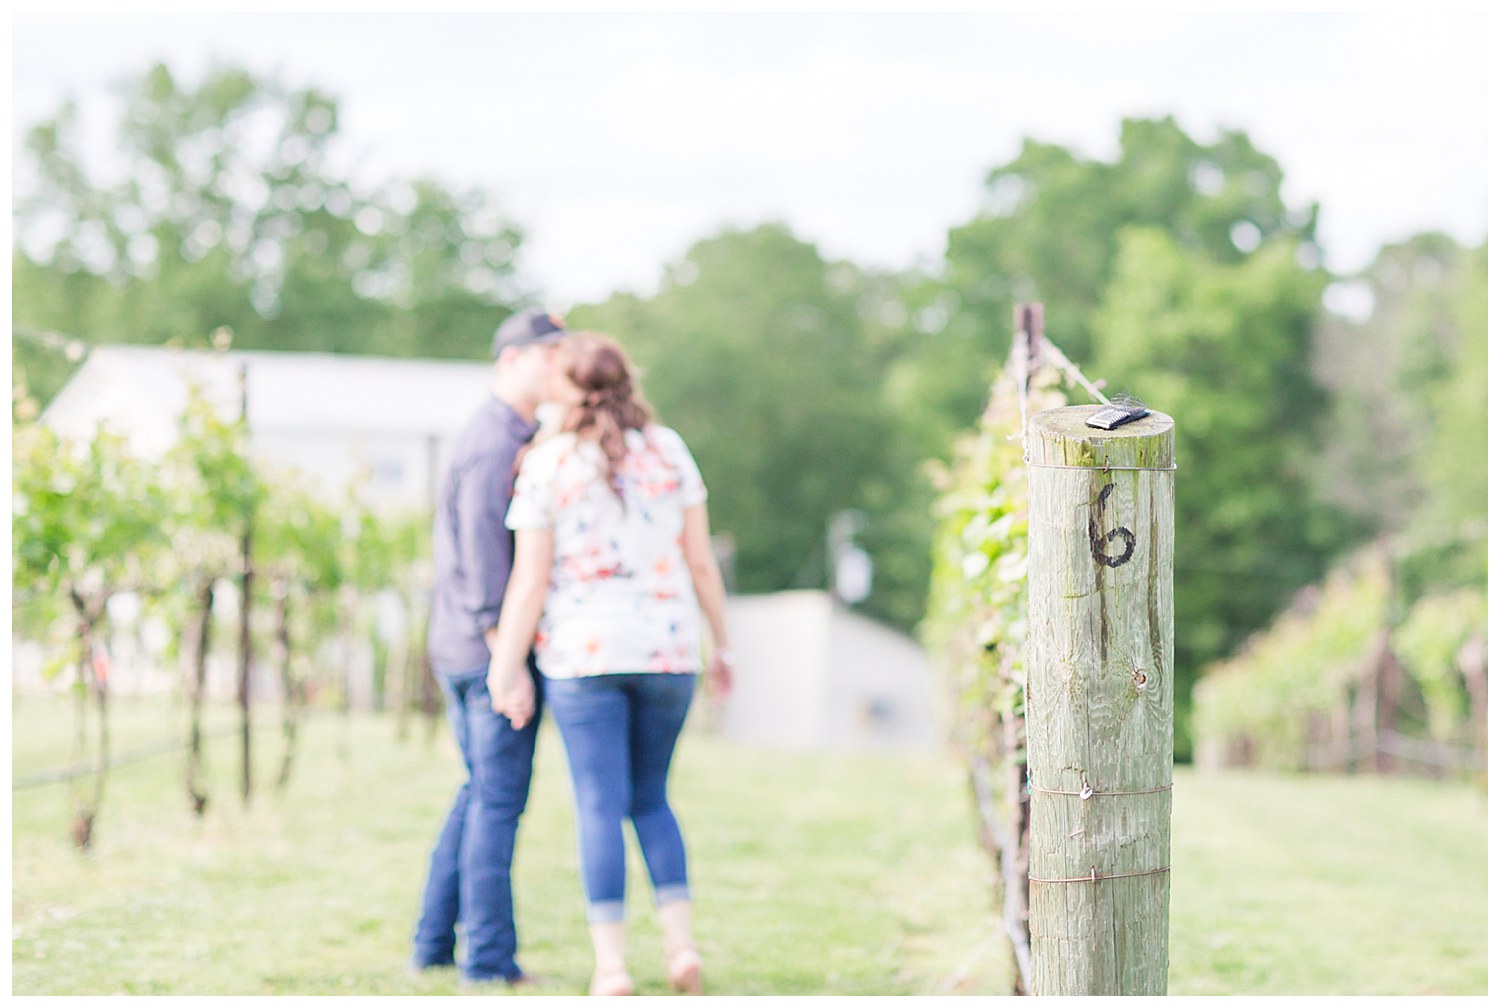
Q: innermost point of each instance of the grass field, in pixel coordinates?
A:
(814, 874)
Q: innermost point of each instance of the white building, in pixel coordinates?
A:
(811, 673)
(387, 423)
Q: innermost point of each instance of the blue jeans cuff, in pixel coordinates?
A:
(606, 912)
(673, 894)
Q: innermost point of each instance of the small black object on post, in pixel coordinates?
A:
(1122, 409)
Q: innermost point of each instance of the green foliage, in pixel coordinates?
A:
(1050, 232)
(1173, 268)
(1223, 347)
(212, 493)
(87, 520)
(1176, 272)
(1291, 688)
(976, 617)
(1406, 442)
(1295, 676)
(1402, 454)
(1448, 534)
(301, 559)
(299, 538)
(217, 490)
(385, 549)
(86, 523)
(770, 363)
(224, 206)
(1429, 642)
(330, 561)
(975, 626)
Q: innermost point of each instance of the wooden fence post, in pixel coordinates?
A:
(1099, 701)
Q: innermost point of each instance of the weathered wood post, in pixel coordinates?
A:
(1099, 701)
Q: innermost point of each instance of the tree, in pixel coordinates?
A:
(1050, 232)
(228, 207)
(1224, 347)
(771, 363)
(1406, 440)
(1163, 270)
(444, 266)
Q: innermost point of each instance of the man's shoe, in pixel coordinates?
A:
(519, 980)
(415, 968)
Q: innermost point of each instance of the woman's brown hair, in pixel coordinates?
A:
(611, 403)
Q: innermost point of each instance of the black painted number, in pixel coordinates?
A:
(1098, 542)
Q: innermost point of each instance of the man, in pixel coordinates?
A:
(468, 879)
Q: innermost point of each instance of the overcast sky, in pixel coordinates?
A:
(618, 140)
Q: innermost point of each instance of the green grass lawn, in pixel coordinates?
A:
(814, 874)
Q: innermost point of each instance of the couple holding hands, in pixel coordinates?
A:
(570, 571)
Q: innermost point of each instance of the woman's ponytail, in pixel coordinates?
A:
(611, 404)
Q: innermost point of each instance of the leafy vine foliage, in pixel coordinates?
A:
(975, 628)
(214, 493)
(1342, 676)
(92, 521)
(87, 521)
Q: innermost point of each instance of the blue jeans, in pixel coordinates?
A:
(619, 732)
(468, 879)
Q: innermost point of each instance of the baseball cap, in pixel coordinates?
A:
(527, 327)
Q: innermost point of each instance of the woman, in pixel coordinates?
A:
(612, 564)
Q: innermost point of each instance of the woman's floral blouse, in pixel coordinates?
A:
(620, 597)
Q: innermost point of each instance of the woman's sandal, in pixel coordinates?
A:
(685, 971)
(614, 983)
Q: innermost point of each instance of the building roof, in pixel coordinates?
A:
(141, 393)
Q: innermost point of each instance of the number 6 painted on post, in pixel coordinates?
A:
(1098, 542)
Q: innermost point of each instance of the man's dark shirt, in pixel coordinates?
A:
(472, 549)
